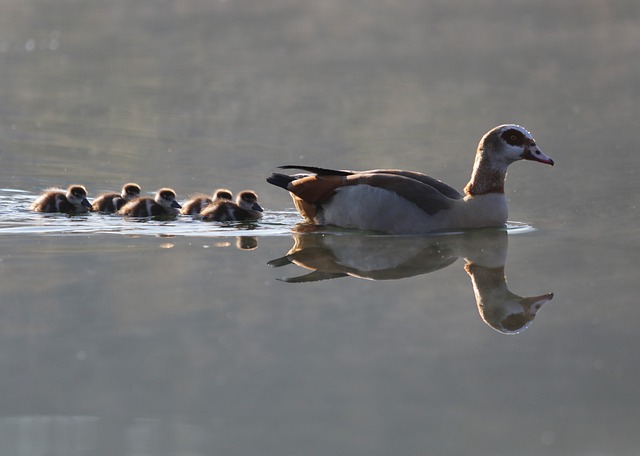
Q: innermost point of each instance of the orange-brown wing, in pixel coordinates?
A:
(310, 191)
(316, 189)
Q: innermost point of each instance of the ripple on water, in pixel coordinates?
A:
(16, 218)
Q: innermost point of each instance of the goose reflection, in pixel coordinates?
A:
(330, 256)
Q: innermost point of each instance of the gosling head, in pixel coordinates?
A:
(130, 191)
(166, 198)
(248, 200)
(222, 194)
(77, 195)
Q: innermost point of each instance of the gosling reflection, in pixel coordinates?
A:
(330, 256)
(246, 242)
(242, 243)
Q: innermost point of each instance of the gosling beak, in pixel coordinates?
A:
(534, 153)
(85, 202)
(256, 207)
(176, 205)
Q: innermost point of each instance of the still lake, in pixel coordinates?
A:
(269, 338)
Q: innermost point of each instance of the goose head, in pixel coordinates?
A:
(497, 149)
(505, 144)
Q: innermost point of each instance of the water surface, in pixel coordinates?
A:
(182, 337)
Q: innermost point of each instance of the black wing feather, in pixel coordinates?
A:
(317, 170)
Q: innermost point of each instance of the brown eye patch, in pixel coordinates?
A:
(514, 137)
(167, 195)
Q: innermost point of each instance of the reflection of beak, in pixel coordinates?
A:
(256, 207)
(86, 203)
(176, 204)
(534, 153)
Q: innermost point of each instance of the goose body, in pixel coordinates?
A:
(72, 200)
(245, 208)
(112, 202)
(164, 203)
(198, 202)
(407, 202)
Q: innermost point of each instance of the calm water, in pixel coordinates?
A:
(181, 337)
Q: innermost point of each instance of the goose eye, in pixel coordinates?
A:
(513, 137)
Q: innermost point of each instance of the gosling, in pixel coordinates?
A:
(73, 201)
(198, 202)
(245, 208)
(112, 202)
(164, 203)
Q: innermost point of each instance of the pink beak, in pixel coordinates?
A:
(534, 153)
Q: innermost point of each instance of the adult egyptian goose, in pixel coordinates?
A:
(244, 209)
(111, 202)
(199, 201)
(405, 202)
(73, 200)
(164, 203)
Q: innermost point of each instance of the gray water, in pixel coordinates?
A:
(269, 338)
